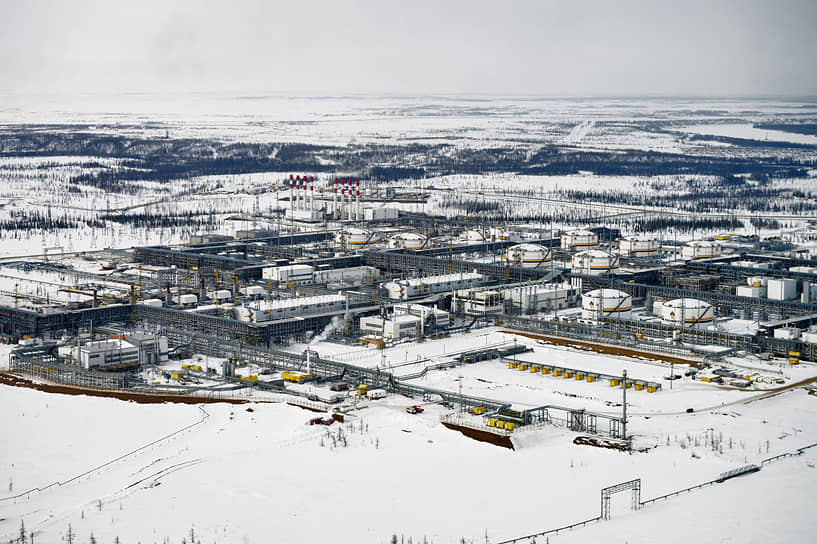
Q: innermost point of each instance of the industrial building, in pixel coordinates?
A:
(529, 299)
(418, 287)
(396, 327)
(478, 302)
(264, 310)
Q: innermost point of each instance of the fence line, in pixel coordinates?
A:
(166, 438)
(721, 479)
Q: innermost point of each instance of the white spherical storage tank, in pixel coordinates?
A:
(354, 236)
(687, 311)
(638, 246)
(579, 239)
(527, 255)
(606, 303)
(700, 249)
(594, 261)
(407, 240)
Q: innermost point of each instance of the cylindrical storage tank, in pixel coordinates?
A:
(594, 261)
(527, 255)
(355, 236)
(638, 246)
(687, 311)
(700, 249)
(472, 235)
(606, 303)
(407, 240)
(578, 239)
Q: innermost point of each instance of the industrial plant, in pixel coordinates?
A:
(347, 266)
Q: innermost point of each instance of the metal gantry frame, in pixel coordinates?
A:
(607, 492)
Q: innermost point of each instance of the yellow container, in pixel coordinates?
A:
(479, 410)
(176, 375)
(491, 422)
(614, 381)
(512, 364)
(591, 378)
(639, 386)
(523, 366)
(509, 426)
(794, 361)
(579, 375)
(557, 371)
(186, 366)
(534, 368)
(545, 370)
(628, 385)
(568, 373)
(362, 389)
(650, 389)
(706, 379)
(250, 378)
(197, 368)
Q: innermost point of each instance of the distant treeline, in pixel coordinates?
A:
(799, 128)
(164, 160)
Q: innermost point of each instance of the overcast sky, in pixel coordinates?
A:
(539, 47)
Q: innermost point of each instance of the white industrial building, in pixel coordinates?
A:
(252, 291)
(395, 327)
(269, 310)
(579, 239)
(787, 333)
(594, 261)
(700, 249)
(188, 301)
(119, 353)
(527, 255)
(429, 316)
(416, 287)
(220, 295)
(781, 289)
(638, 246)
(349, 276)
(479, 302)
(380, 214)
(606, 303)
(686, 311)
(530, 299)
(292, 273)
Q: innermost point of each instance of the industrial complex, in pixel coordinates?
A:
(370, 276)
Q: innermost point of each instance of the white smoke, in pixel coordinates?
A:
(336, 323)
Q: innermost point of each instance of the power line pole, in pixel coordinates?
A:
(624, 410)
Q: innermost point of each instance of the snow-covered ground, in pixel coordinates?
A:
(259, 473)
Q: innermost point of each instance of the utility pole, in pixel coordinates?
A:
(671, 373)
(624, 402)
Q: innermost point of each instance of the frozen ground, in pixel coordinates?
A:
(252, 473)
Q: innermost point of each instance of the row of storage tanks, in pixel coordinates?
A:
(532, 255)
(616, 304)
